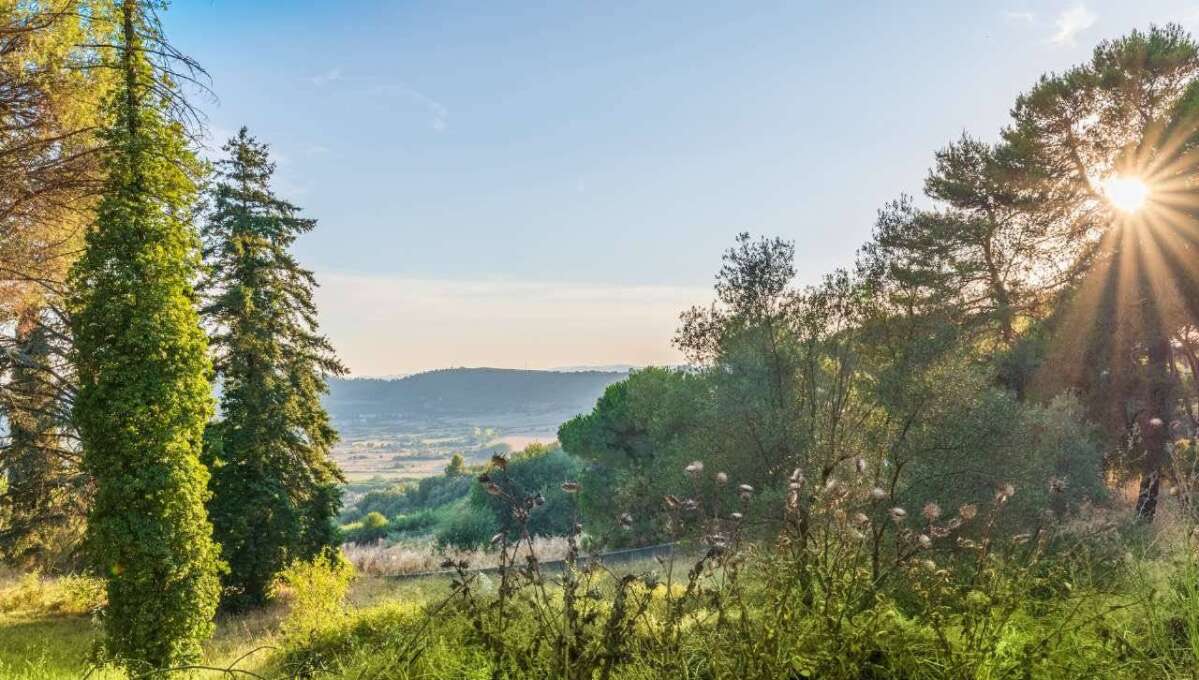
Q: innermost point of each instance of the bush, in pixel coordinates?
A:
(470, 528)
(421, 520)
(72, 595)
(537, 472)
(372, 528)
(316, 593)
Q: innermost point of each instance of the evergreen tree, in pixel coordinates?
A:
(50, 106)
(275, 489)
(142, 359)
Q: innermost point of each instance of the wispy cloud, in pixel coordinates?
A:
(322, 79)
(438, 114)
(1071, 22)
(384, 325)
(1021, 16)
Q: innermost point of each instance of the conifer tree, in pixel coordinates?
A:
(275, 489)
(50, 105)
(142, 360)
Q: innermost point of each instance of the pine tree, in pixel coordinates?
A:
(50, 105)
(275, 489)
(142, 359)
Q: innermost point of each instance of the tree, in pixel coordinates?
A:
(275, 489)
(1130, 110)
(49, 174)
(456, 467)
(144, 391)
(981, 254)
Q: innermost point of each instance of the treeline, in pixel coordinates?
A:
(132, 276)
(1019, 324)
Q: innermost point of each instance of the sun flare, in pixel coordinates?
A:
(1127, 194)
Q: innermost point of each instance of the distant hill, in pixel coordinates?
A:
(477, 393)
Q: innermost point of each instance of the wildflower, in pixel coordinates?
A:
(736, 517)
(898, 514)
(626, 521)
(570, 487)
(1156, 422)
(925, 541)
(691, 505)
(722, 478)
(694, 470)
(745, 491)
(929, 565)
(931, 511)
(938, 532)
(861, 519)
(878, 494)
(968, 512)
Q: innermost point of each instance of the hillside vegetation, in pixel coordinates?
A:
(479, 393)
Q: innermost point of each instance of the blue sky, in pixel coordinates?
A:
(547, 184)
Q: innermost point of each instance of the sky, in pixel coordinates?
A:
(547, 184)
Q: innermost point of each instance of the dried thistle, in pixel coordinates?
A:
(931, 511)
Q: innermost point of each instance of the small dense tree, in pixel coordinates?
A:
(275, 489)
(142, 358)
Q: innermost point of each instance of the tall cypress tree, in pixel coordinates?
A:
(275, 489)
(144, 391)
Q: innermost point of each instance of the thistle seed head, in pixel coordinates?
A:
(931, 511)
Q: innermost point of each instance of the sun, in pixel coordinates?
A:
(1128, 194)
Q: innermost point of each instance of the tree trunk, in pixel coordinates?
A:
(1155, 425)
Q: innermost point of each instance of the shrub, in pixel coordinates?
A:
(472, 527)
(316, 593)
(372, 528)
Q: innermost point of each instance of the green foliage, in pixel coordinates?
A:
(369, 529)
(538, 472)
(470, 527)
(316, 592)
(144, 393)
(429, 493)
(274, 488)
(456, 467)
